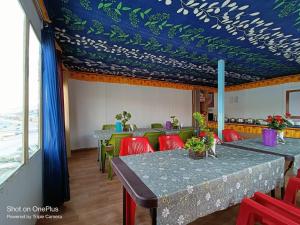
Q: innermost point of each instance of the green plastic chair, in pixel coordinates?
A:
(156, 125)
(115, 142)
(153, 139)
(186, 134)
(108, 127)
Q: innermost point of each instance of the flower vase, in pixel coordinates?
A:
(118, 126)
(213, 148)
(197, 155)
(269, 137)
(280, 137)
(168, 125)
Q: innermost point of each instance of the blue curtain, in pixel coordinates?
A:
(56, 178)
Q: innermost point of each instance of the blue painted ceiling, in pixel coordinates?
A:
(179, 40)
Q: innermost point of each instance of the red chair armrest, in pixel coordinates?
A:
(291, 190)
(252, 212)
(278, 206)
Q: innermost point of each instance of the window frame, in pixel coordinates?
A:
(25, 98)
(40, 92)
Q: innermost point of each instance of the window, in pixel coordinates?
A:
(11, 87)
(34, 93)
(16, 92)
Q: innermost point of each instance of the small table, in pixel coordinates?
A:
(103, 135)
(179, 189)
(290, 150)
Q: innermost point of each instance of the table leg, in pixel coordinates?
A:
(282, 192)
(100, 154)
(289, 167)
(124, 206)
(273, 193)
(153, 215)
(101, 166)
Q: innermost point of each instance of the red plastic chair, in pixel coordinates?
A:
(135, 145)
(278, 206)
(252, 212)
(230, 135)
(170, 142)
(291, 190)
(132, 146)
(298, 174)
(203, 134)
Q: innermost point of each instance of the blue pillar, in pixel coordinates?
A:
(221, 85)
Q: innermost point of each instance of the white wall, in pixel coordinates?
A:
(24, 188)
(95, 104)
(257, 103)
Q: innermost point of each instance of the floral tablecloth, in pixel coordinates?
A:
(106, 134)
(188, 189)
(291, 148)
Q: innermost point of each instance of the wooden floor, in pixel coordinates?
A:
(95, 200)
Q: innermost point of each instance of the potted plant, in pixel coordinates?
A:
(205, 131)
(279, 123)
(200, 122)
(175, 122)
(200, 119)
(198, 146)
(124, 117)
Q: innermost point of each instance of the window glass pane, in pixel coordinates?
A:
(11, 87)
(34, 92)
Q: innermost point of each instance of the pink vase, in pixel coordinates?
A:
(269, 137)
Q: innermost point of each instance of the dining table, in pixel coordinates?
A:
(172, 131)
(290, 150)
(178, 189)
(104, 135)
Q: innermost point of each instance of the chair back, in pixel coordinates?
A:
(291, 190)
(153, 139)
(298, 174)
(170, 142)
(135, 145)
(115, 141)
(278, 206)
(108, 127)
(230, 135)
(186, 134)
(156, 125)
(252, 212)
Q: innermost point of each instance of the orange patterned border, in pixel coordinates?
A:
(155, 83)
(265, 83)
(135, 81)
(43, 10)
